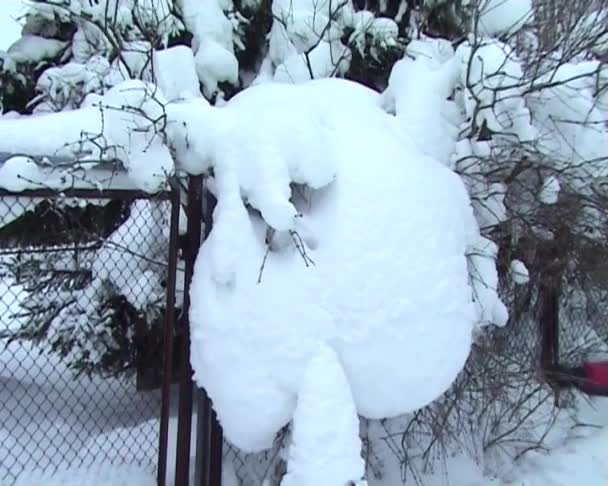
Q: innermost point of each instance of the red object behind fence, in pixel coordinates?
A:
(596, 375)
(590, 378)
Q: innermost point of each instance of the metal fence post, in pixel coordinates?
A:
(549, 321)
(217, 451)
(550, 293)
(184, 424)
(169, 323)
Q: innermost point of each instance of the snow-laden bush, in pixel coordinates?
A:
(341, 219)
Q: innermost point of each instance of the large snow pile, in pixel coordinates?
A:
(369, 259)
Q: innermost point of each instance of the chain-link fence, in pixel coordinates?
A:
(267, 467)
(583, 322)
(82, 301)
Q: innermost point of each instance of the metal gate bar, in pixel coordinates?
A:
(184, 423)
(169, 324)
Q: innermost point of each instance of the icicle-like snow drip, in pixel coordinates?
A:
(326, 448)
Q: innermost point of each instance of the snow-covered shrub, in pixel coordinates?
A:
(317, 180)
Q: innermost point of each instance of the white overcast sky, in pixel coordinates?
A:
(10, 30)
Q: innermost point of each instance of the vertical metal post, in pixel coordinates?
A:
(168, 325)
(184, 423)
(201, 469)
(209, 435)
(550, 288)
(209, 444)
(549, 319)
(216, 452)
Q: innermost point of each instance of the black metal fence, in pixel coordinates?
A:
(558, 318)
(86, 293)
(583, 323)
(567, 313)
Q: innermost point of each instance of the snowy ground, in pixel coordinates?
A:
(50, 420)
(580, 460)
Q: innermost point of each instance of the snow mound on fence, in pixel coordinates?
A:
(367, 255)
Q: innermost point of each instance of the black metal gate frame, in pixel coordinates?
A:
(173, 196)
(200, 204)
(209, 436)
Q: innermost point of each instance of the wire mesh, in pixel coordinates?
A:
(81, 309)
(254, 469)
(583, 327)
